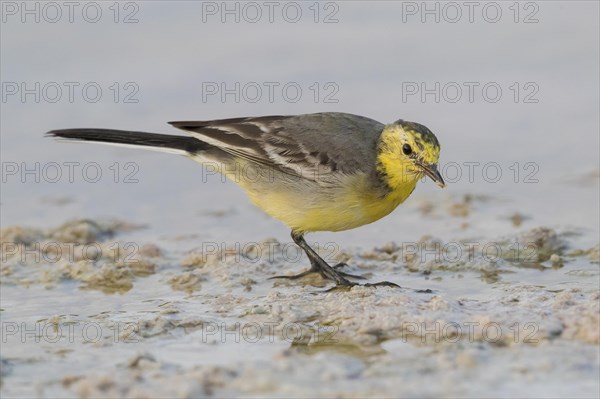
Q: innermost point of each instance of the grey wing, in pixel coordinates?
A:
(309, 145)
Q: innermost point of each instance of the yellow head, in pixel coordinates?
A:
(408, 151)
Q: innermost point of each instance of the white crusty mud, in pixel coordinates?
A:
(150, 321)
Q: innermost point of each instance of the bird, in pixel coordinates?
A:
(327, 171)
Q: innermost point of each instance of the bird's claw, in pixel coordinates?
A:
(295, 276)
(346, 287)
(338, 277)
(343, 264)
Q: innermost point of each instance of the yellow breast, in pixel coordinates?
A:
(342, 203)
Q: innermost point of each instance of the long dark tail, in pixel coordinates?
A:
(160, 142)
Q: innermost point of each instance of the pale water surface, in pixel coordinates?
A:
(545, 143)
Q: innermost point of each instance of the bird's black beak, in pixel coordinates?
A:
(433, 172)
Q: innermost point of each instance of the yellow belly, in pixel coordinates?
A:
(307, 207)
(344, 202)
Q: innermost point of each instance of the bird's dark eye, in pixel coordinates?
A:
(406, 149)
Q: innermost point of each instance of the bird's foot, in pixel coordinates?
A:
(353, 284)
(296, 276)
(327, 272)
(344, 264)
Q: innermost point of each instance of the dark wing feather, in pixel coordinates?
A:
(310, 145)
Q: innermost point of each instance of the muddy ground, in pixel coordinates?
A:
(509, 316)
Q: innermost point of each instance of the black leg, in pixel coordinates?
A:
(318, 265)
